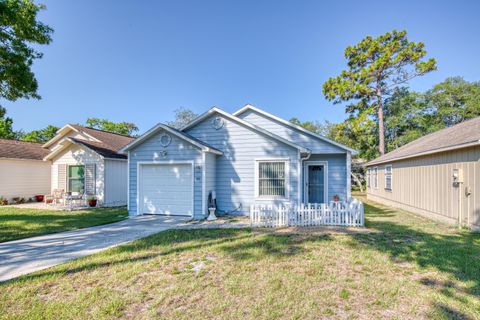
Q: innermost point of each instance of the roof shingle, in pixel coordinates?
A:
(459, 135)
(22, 150)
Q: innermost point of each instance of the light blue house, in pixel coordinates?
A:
(248, 157)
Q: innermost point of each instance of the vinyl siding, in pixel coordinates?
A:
(77, 154)
(24, 178)
(337, 174)
(210, 176)
(116, 182)
(235, 168)
(424, 185)
(316, 145)
(178, 150)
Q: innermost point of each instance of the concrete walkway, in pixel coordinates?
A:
(24, 256)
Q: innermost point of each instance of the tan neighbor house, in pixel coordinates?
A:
(437, 176)
(85, 160)
(23, 173)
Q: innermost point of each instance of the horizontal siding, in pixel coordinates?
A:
(337, 174)
(116, 182)
(210, 175)
(425, 185)
(24, 178)
(235, 168)
(76, 154)
(314, 144)
(178, 150)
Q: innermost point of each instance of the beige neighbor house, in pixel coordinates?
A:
(437, 176)
(23, 173)
(86, 160)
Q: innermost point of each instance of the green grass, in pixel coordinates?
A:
(17, 223)
(404, 267)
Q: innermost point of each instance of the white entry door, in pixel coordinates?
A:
(166, 189)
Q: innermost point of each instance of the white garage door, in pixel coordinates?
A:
(167, 189)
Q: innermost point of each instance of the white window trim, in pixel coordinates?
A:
(375, 179)
(139, 178)
(325, 178)
(287, 179)
(391, 177)
(369, 175)
(68, 173)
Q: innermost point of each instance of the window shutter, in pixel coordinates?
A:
(90, 179)
(62, 177)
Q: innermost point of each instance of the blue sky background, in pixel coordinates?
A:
(138, 61)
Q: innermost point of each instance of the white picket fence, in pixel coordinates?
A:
(334, 214)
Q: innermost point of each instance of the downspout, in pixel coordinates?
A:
(300, 175)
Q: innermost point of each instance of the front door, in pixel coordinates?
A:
(316, 184)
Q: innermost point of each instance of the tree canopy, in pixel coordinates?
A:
(6, 126)
(409, 115)
(376, 66)
(19, 31)
(42, 135)
(182, 117)
(125, 128)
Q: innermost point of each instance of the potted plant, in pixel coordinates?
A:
(39, 198)
(92, 201)
(336, 198)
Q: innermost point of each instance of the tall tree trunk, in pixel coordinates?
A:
(381, 131)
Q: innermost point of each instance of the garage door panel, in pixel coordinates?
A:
(167, 189)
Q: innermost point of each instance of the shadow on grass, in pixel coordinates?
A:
(455, 253)
(239, 244)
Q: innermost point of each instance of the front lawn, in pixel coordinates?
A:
(18, 223)
(403, 267)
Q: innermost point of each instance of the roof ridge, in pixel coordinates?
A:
(118, 134)
(15, 140)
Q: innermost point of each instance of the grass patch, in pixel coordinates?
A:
(406, 267)
(18, 223)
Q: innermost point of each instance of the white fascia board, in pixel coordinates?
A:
(288, 123)
(159, 126)
(246, 124)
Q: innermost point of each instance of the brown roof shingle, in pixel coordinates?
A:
(460, 135)
(114, 141)
(22, 150)
(100, 148)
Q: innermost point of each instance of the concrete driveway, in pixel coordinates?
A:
(24, 256)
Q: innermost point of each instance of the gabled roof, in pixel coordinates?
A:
(13, 149)
(291, 125)
(247, 124)
(462, 135)
(106, 144)
(182, 135)
(99, 148)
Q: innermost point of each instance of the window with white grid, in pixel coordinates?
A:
(271, 181)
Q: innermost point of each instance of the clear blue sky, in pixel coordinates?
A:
(137, 61)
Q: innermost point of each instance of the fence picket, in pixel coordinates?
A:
(349, 213)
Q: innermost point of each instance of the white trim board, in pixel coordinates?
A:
(245, 124)
(179, 135)
(288, 123)
(167, 162)
(325, 179)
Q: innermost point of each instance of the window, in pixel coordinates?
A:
(272, 179)
(368, 177)
(388, 177)
(76, 178)
(375, 177)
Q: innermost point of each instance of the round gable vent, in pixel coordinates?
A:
(217, 123)
(165, 140)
